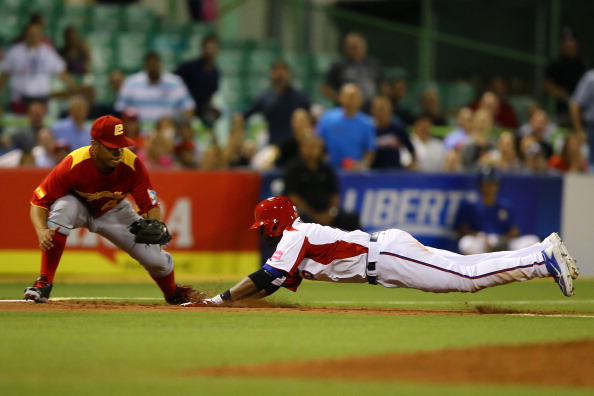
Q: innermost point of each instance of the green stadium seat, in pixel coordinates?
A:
(10, 28)
(169, 45)
(12, 6)
(46, 7)
(71, 16)
(103, 50)
(131, 49)
(136, 18)
(106, 18)
(232, 61)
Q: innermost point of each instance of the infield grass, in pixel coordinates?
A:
(160, 353)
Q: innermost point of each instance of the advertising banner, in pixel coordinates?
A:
(207, 213)
(425, 205)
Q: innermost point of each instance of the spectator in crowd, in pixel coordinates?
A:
(532, 155)
(538, 124)
(539, 128)
(431, 107)
(397, 91)
(490, 224)
(133, 131)
(213, 158)
(185, 154)
(460, 135)
(239, 151)
(356, 67)
(430, 151)
(75, 52)
(504, 115)
(26, 138)
(30, 65)
(391, 137)
(570, 159)
(348, 134)
(202, 76)
(278, 103)
(36, 18)
(75, 129)
(504, 157)
(186, 151)
(313, 186)
(480, 140)
(106, 105)
(43, 152)
(155, 94)
(61, 149)
(288, 150)
(160, 145)
(563, 74)
(581, 107)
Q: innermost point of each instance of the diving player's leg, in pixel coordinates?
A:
(405, 262)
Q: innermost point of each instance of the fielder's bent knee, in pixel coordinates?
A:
(156, 261)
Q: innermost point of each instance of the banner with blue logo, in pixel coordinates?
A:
(425, 205)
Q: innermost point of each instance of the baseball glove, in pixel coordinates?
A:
(150, 232)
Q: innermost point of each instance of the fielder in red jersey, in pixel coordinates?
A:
(89, 189)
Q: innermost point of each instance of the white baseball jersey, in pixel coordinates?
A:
(313, 251)
(316, 252)
(31, 69)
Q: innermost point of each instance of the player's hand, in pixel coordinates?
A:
(202, 303)
(46, 238)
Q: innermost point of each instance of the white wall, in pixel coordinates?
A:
(577, 220)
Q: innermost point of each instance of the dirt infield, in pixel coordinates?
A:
(518, 365)
(248, 306)
(535, 364)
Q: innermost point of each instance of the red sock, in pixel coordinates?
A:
(166, 284)
(51, 258)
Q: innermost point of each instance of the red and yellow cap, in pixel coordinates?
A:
(109, 130)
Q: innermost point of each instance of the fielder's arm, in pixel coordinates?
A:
(45, 235)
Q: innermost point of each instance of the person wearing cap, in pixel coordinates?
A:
(489, 224)
(89, 189)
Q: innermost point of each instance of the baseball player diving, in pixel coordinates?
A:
(391, 258)
(89, 189)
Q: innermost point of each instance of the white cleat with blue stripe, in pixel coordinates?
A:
(558, 266)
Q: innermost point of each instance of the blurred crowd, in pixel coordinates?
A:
(368, 126)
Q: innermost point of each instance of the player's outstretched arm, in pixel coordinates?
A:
(260, 284)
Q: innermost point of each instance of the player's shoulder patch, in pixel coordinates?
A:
(128, 158)
(79, 155)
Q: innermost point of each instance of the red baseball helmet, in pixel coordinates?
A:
(275, 214)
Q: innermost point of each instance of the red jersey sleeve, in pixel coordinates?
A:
(142, 190)
(55, 185)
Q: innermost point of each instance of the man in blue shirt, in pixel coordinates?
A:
(349, 134)
(489, 224)
(75, 128)
(278, 103)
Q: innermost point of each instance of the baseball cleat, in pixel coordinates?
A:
(184, 294)
(558, 266)
(573, 268)
(40, 291)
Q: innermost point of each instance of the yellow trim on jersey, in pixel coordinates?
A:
(32, 204)
(79, 155)
(128, 158)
